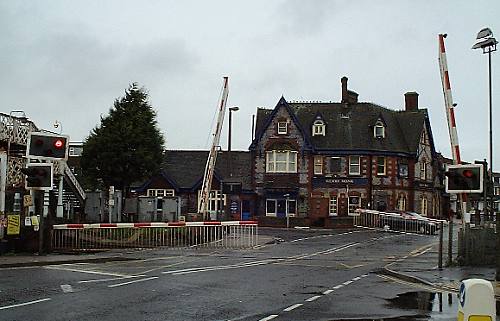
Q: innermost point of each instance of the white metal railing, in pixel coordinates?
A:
(232, 234)
(402, 222)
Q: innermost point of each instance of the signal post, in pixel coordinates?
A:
(42, 149)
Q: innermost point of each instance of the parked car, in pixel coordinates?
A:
(409, 222)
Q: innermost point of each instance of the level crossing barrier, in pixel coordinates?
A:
(230, 234)
(401, 222)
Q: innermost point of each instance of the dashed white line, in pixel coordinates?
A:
(84, 271)
(292, 307)
(130, 282)
(313, 298)
(338, 286)
(357, 278)
(347, 282)
(272, 316)
(112, 279)
(23, 304)
(327, 292)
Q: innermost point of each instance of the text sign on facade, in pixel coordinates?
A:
(338, 182)
(13, 224)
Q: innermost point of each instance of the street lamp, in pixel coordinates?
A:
(231, 109)
(489, 44)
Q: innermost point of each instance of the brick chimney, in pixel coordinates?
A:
(348, 96)
(411, 101)
(343, 80)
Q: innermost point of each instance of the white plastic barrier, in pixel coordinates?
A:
(477, 301)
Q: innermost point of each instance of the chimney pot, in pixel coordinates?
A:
(411, 101)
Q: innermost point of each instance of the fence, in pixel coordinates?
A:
(232, 234)
(405, 222)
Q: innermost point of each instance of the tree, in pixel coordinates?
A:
(127, 147)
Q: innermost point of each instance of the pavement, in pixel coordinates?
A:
(420, 267)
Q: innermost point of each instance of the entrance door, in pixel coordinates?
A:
(281, 208)
(319, 207)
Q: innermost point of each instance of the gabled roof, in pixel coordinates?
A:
(186, 167)
(350, 127)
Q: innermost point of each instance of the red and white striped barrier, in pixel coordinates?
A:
(151, 224)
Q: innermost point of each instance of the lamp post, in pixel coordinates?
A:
(488, 44)
(231, 109)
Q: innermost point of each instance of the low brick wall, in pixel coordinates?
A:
(330, 222)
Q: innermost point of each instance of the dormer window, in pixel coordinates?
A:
(318, 128)
(282, 128)
(379, 130)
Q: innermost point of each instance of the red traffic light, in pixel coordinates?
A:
(468, 173)
(58, 143)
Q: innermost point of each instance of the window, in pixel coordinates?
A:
(318, 128)
(402, 203)
(423, 207)
(332, 210)
(379, 130)
(354, 203)
(278, 207)
(423, 169)
(318, 165)
(380, 165)
(403, 170)
(161, 192)
(335, 165)
(281, 161)
(282, 128)
(216, 200)
(354, 168)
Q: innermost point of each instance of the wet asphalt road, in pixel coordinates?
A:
(305, 275)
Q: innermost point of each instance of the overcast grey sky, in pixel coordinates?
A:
(69, 60)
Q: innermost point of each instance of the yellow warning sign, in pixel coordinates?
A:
(13, 224)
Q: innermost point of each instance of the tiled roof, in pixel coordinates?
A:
(186, 167)
(350, 126)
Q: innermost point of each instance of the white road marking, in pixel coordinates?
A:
(272, 316)
(338, 286)
(327, 292)
(66, 288)
(292, 307)
(313, 298)
(85, 271)
(23, 304)
(364, 275)
(111, 279)
(130, 282)
(221, 267)
(357, 278)
(347, 282)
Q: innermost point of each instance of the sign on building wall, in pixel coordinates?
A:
(13, 224)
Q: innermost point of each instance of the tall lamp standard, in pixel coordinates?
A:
(231, 109)
(489, 44)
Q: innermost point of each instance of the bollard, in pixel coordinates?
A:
(476, 301)
(450, 242)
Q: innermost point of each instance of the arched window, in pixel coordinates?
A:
(379, 130)
(318, 128)
(423, 206)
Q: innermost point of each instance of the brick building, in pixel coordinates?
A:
(321, 160)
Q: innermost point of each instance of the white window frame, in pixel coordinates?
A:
(423, 170)
(333, 206)
(282, 128)
(214, 200)
(318, 128)
(379, 126)
(357, 164)
(290, 161)
(424, 206)
(160, 192)
(287, 204)
(384, 166)
(353, 211)
(318, 165)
